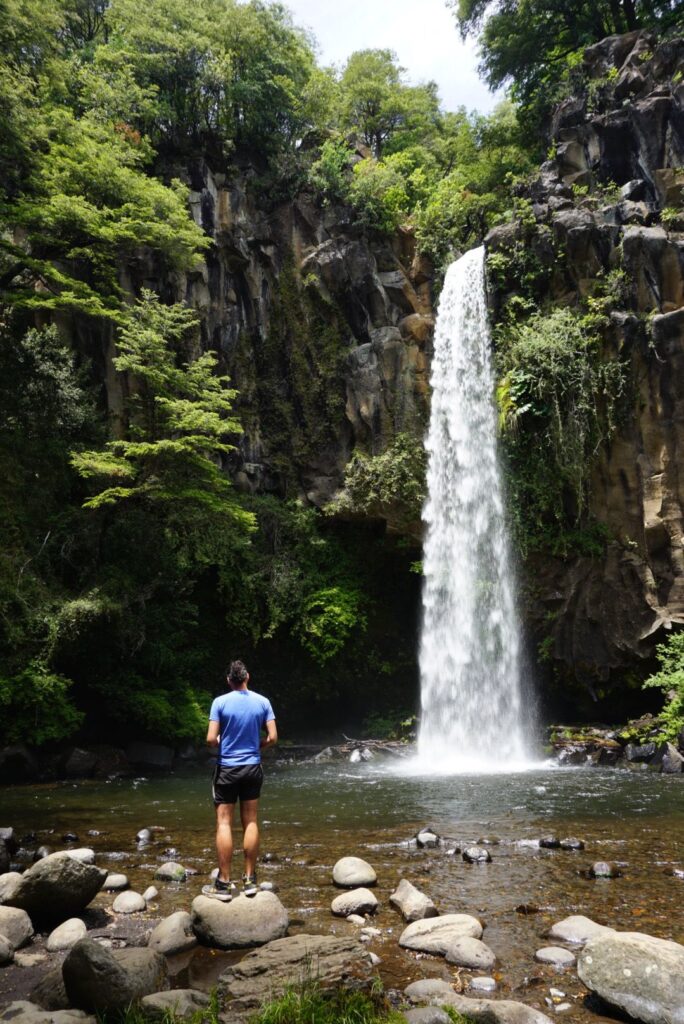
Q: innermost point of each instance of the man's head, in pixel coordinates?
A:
(237, 674)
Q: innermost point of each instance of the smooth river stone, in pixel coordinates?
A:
(413, 904)
(352, 872)
(66, 935)
(435, 934)
(129, 902)
(358, 901)
(578, 929)
(115, 883)
(473, 953)
(171, 872)
(555, 955)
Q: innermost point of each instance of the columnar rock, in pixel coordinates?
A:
(334, 962)
(468, 952)
(435, 934)
(577, 929)
(16, 926)
(352, 872)
(66, 935)
(173, 935)
(56, 887)
(178, 1004)
(356, 901)
(636, 974)
(101, 980)
(413, 904)
(244, 922)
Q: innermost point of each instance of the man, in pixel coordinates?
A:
(236, 721)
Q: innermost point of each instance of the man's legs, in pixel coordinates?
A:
(248, 816)
(224, 839)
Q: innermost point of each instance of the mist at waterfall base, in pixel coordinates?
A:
(473, 716)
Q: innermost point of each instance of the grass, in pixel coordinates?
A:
(309, 1004)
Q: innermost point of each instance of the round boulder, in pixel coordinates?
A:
(129, 902)
(57, 887)
(150, 894)
(84, 854)
(100, 980)
(358, 901)
(472, 953)
(351, 872)
(556, 956)
(244, 922)
(477, 855)
(66, 935)
(577, 929)
(436, 934)
(6, 951)
(177, 1004)
(8, 883)
(171, 872)
(115, 883)
(173, 935)
(16, 926)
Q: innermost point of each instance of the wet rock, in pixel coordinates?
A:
(17, 764)
(150, 894)
(4, 858)
(485, 984)
(288, 961)
(41, 853)
(129, 902)
(427, 1015)
(56, 888)
(436, 934)
(9, 838)
(66, 935)
(604, 869)
(80, 764)
(173, 935)
(171, 872)
(577, 929)
(23, 1012)
(150, 755)
(356, 919)
(70, 837)
(246, 921)
(115, 883)
(472, 953)
(143, 836)
(476, 855)
(636, 974)
(640, 754)
(179, 1004)
(351, 872)
(427, 838)
(413, 904)
(550, 843)
(50, 993)
(16, 926)
(324, 756)
(571, 843)
(101, 980)
(357, 901)
(8, 883)
(6, 950)
(673, 762)
(555, 955)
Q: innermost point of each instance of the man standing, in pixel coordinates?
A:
(236, 721)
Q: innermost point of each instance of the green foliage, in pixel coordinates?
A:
(670, 679)
(328, 618)
(309, 1004)
(329, 174)
(389, 486)
(36, 707)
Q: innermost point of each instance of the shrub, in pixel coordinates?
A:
(670, 679)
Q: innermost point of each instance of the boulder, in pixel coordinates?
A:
(17, 764)
(80, 764)
(571, 843)
(577, 929)
(430, 990)
(472, 953)
(482, 1011)
(84, 854)
(476, 855)
(50, 992)
(115, 883)
(8, 883)
(6, 951)
(66, 935)
(56, 888)
(673, 762)
(129, 902)
(427, 1015)
(413, 904)
(150, 755)
(23, 1012)
(173, 935)
(351, 872)
(244, 922)
(427, 838)
(555, 955)
(102, 980)
(357, 901)
(9, 839)
(637, 974)
(171, 871)
(332, 961)
(179, 1004)
(16, 926)
(435, 934)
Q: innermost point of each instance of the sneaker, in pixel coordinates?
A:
(218, 890)
(249, 885)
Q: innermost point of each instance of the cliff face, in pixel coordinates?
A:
(613, 197)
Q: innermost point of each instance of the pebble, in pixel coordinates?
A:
(372, 932)
(150, 894)
(555, 955)
(562, 1007)
(483, 984)
(477, 855)
(115, 882)
(29, 959)
(375, 959)
(572, 844)
(356, 919)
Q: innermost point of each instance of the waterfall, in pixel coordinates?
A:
(469, 656)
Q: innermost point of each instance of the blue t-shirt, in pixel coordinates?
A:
(241, 715)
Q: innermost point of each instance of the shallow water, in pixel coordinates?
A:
(313, 814)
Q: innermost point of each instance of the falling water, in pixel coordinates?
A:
(469, 657)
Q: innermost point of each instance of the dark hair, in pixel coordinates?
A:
(237, 673)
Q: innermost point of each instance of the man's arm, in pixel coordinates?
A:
(213, 734)
(271, 737)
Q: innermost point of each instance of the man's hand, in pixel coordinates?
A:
(213, 734)
(271, 737)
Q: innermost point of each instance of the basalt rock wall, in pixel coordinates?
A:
(612, 198)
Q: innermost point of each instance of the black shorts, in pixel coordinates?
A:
(238, 781)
